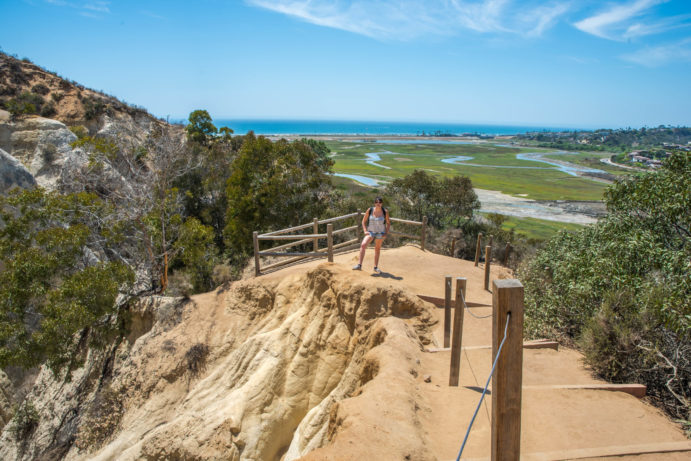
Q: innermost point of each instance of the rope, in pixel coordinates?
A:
(496, 359)
(471, 312)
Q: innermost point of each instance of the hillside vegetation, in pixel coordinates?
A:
(27, 89)
(621, 288)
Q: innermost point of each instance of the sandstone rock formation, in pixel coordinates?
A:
(262, 369)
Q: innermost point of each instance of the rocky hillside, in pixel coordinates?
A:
(26, 88)
(40, 112)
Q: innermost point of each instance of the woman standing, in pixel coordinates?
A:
(376, 225)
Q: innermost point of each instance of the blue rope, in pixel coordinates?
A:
(484, 391)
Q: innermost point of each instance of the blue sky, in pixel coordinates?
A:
(574, 63)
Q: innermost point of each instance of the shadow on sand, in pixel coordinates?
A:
(387, 275)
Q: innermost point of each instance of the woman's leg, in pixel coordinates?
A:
(377, 248)
(363, 247)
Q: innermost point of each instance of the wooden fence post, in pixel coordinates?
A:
(315, 230)
(457, 337)
(507, 298)
(330, 241)
(423, 233)
(491, 239)
(478, 248)
(488, 263)
(507, 252)
(453, 247)
(447, 310)
(255, 237)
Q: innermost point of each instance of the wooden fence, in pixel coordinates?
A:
(315, 237)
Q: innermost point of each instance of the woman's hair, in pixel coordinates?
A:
(378, 200)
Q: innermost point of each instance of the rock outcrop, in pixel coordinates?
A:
(263, 369)
(13, 173)
(41, 145)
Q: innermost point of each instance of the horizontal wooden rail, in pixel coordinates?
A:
(295, 253)
(337, 218)
(345, 229)
(405, 221)
(290, 237)
(291, 244)
(290, 229)
(283, 263)
(401, 234)
(341, 245)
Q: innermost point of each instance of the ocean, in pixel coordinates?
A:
(325, 127)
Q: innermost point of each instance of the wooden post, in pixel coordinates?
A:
(457, 337)
(478, 248)
(255, 237)
(488, 263)
(447, 310)
(453, 246)
(423, 233)
(507, 298)
(491, 239)
(330, 241)
(507, 252)
(315, 230)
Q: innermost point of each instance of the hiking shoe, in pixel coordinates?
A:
(377, 270)
(357, 267)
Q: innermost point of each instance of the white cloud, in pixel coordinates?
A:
(608, 24)
(100, 7)
(655, 56)
(408, 19)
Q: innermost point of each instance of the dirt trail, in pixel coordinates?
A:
(557, 423)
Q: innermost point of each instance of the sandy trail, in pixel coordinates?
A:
(556, 423)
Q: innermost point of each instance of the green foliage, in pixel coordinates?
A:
(194, 248)
(98, 145)
(80, 131)
(48, 288)
(93, 107)
(201, 127)
(48, 110)
(323, 153)
(272, 185)
(25, 421)
(623, 284)
(445, 201)
(25, 103)
(41, 89)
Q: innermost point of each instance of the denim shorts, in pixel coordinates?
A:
(377, 235)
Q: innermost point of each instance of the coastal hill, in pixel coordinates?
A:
(26, 88)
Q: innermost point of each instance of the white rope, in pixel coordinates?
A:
(484, 391)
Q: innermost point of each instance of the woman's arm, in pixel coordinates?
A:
(364, 221)
(388, 222)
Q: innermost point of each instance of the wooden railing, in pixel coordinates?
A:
(315, 237)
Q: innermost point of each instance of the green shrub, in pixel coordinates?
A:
(25, 421)
(57, 96)
(40, 89)
(80, 131)
(48, 110)
(620, 288)
(195, 358)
